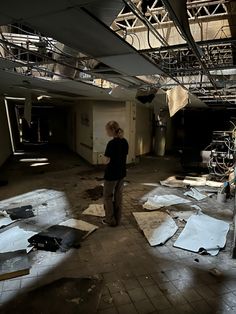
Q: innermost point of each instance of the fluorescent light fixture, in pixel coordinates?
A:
(39, 164)
(42, 97)
(15, 98)
(33, 159)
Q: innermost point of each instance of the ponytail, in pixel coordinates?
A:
(114, 127)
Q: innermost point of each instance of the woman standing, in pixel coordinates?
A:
(116, 155)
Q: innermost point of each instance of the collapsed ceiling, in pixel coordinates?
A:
(86, 48)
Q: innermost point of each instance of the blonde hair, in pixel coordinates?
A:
(115, 129)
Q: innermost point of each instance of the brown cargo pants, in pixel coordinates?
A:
(113, 194)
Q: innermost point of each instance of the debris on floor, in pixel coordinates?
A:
(15, 239)
(194, 193)
(157, 226)
(95, 193)
(57, 237)
(95, 210)
(22, 212)
(5, 219)
(215, 272)
(184, 181)
(172, 182)
(203, 233)
(180, 215)
(14, 264)
(80, 225)
(74, 295)
(159, 201)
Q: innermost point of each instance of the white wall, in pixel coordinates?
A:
(5, 143)
(123, 113)
(84, 130)
(143, 138)
(91, 118)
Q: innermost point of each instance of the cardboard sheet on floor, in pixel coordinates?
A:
(14, 264)
(159, 201)
(15, 239)
(194, 193)
(203, 233)
(95, 210)
(157, 227)
(66, 295)
(80, 225)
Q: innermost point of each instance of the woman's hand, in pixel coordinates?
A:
(106, 160)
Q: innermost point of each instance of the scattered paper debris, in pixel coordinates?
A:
(80, 225)
(194, 193)
(157, 227)
(95, 210)
(15, 239)
(203, 232)
(5, 219)
(172, 182)
(14, 264)
(181, 215)
(159, 201)
(181, 182)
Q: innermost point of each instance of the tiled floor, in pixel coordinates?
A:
(138, 278)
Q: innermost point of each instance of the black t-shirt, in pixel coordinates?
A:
(117, 150)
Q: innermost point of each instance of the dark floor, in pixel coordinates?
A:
(138, 278)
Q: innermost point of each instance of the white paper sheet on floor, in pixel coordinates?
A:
(159, 201)
(15, 239)
(95, 210)
(4, 221)
(194, 193)
(203, 232)
(79, 224)
(157, 227)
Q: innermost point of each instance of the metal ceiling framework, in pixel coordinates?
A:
(159, 16)
(192, 60)
(189, 65)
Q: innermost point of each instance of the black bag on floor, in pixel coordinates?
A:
(57, 237)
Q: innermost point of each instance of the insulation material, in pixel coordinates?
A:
(157, 227)
(194, 193)
(159, 201)
(15, 239)
(177, 98)
(203, 233)
(80, 225)
(95, 210)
